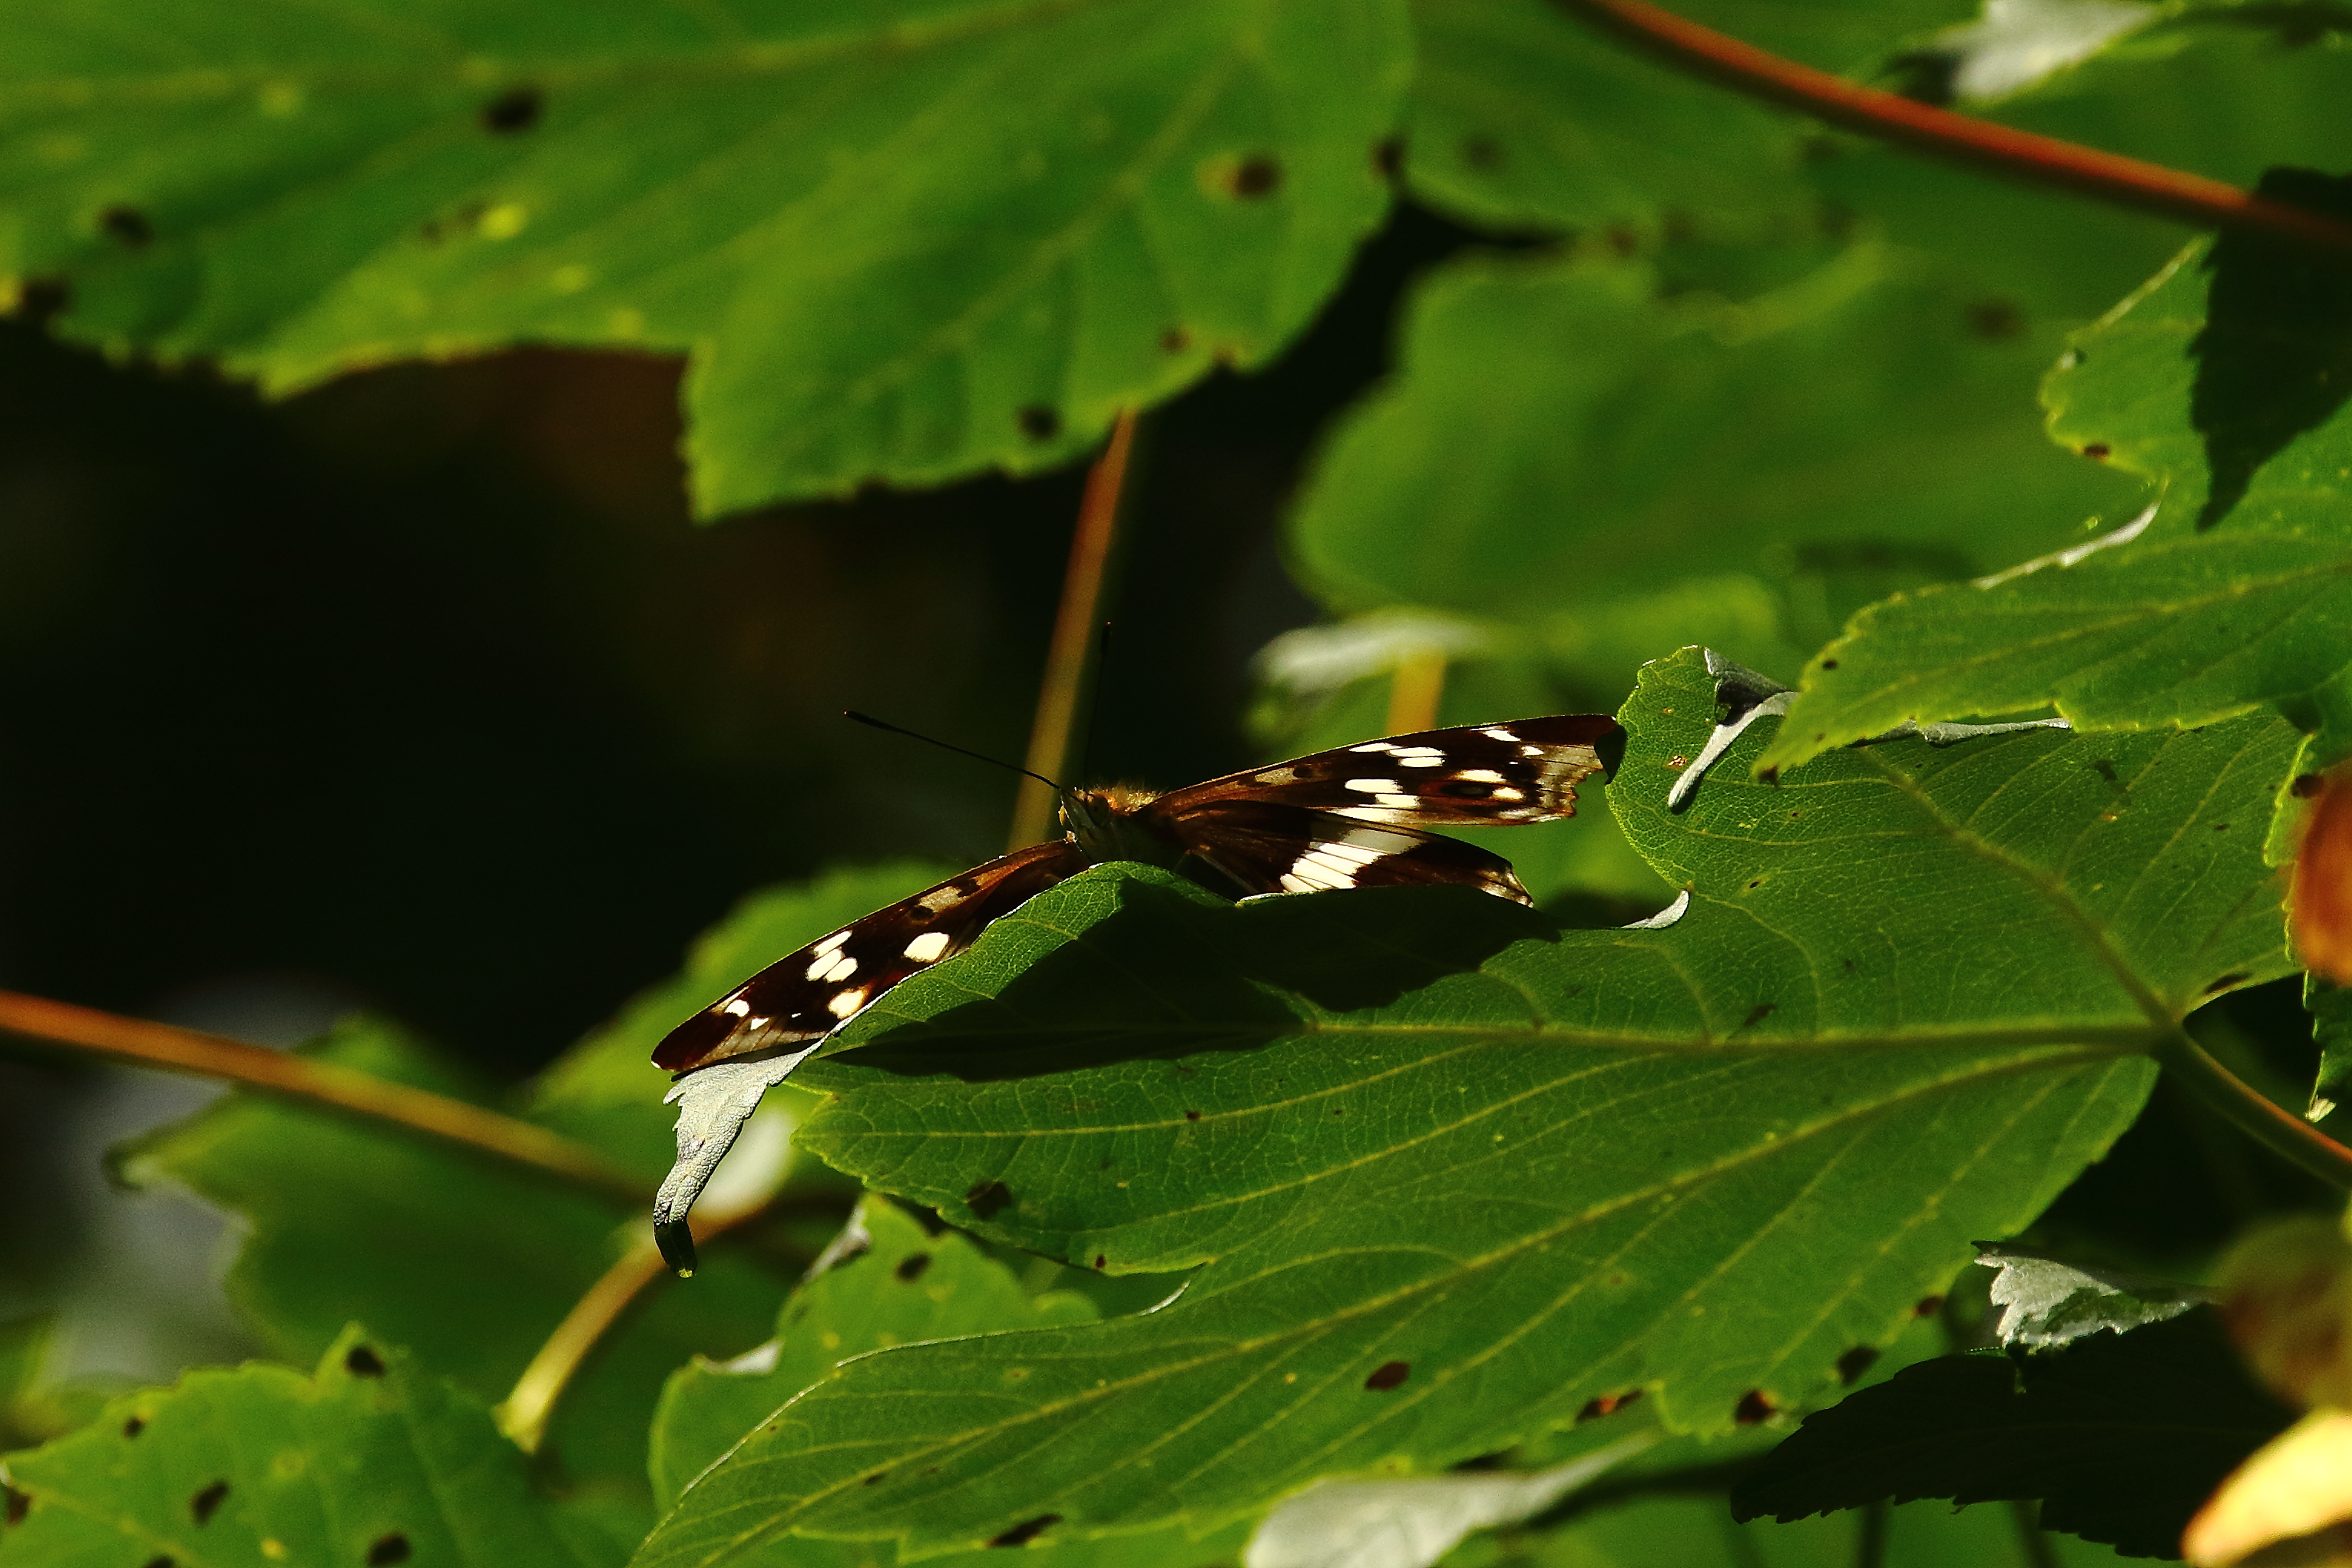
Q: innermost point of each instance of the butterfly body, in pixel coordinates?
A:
(1337, 819)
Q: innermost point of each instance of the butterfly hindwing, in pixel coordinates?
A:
(1526, 770)
(808, 994)
(1272, 848)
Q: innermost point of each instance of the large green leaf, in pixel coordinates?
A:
(904, 242)
(368, 1461)
(2224, 381)
(1696, 1532)
(469, 1261)
(1456, 1175)
(904, 1287)
(1659, 463)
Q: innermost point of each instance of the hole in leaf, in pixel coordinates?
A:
(1929, 1306)
(517, 109)
(988, 1198)
(1100, 1259)
(1192, 1116)
(1828, 664)
(1027, 1530)
(1754, 1407)
(1607, 1405)
(1854, 1362)
(1040, 422)
(362, 1362)
(205, 1503)
(387, 1549)
(2096, 451)
(1387, 1375)
(912, 1267)
(136, 1424)
(127, 226)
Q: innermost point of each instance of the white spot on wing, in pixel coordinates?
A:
(1373, 787)
(833, 943)
(1374, 746)
(1498, 733)
(737, 1007)
(1480, 776)
(927, 947)
(846, 1003)
(841, 968)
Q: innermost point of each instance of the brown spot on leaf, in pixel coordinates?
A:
(1027, 1530)
(1040, 422)
(1854, 1362)
(2096, 451)
(1255, 177)
(1927, 1307)
(515, 110)
(1175, 340)
(1754, 1407)
(912, 1267)
(1997, 320)
(136, 1424)
(2224, 983)
(1387, 1375)
(387, 1549)
(874, 1479)
(1100, 1259)
(1762, 1011)
(363, 1362)
(1388, 158)
(127, 226)
(205, 1503)
(988, 1198)
(1192, 1116)
(160, 1562)
(14, 1505)
(1828, 664)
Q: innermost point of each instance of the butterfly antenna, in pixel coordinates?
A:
(872, 722)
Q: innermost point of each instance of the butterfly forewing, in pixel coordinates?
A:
(1478, 776)
(808, 994)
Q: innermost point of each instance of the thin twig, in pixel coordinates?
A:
(1074, 631)
(524, 1415)
(1415, 690)
(2020, 154)
(2276, 1129)
(175, 1049)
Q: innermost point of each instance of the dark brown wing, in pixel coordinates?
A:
(808, 995)
(1273, 848)
(1478, 776)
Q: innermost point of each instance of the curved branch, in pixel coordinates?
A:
(2280, 1131)
(2018, 154)
(176, 1050)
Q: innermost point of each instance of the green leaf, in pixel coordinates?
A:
(468, 1260)
(905, 1286)
(2331, 1028)
(1697, 1533)
(1520, 118)
(367, 1461)
(1660, 463)
(2223, 381)
(2042, 1301)
(898, 242)
(2120, 1436)
(1455, 1175)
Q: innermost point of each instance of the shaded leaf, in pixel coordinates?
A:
(2237, 592)
(2119, 1435)
(898, 242)
(366, 1461)
(2331, 1028)
(471, 1261)
(1697, 1533)
(1458, 1176)
(1683, 470)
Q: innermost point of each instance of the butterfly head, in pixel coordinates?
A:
(1111, 824)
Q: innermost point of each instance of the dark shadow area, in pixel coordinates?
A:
(2275, 358)
(1214, 974)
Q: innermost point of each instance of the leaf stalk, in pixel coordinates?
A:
(1958, 138)
(2282, 1131)
(174, 1049)
(1074, 632)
